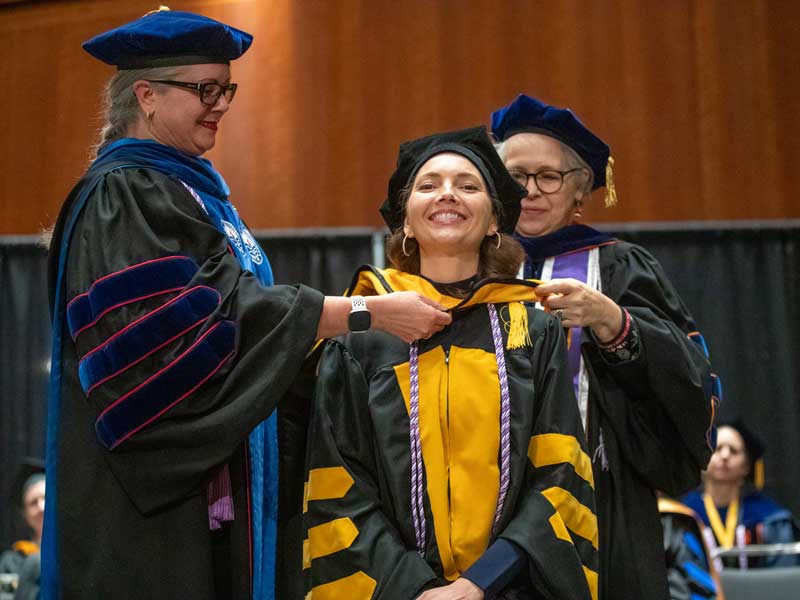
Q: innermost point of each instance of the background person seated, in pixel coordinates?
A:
(28, 493)
(19, 565)
(731, 505)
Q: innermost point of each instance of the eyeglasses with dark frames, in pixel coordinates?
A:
(549, 181)
(209, 91)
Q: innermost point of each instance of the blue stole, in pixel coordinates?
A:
(211, 192)
(754, 508)
(565, 240)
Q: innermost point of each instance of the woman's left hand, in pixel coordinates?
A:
(460, 589)
(578, 305)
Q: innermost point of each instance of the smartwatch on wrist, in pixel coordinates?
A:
(359, 319)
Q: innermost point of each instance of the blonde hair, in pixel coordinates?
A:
(120, 106)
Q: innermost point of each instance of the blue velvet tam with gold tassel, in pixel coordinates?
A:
(166, 38)
(529, 115)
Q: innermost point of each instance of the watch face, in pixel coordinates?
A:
(359, 320)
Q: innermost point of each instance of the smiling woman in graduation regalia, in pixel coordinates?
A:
(171, 348)
(638, 365)
(456, 465)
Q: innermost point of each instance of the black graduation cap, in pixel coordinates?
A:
(473, 144)
(754, 446)
(529, 115)
(29, 470)
(753, 443)
(165, 38)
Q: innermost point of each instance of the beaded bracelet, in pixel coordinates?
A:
(624, 347)
(626, 328)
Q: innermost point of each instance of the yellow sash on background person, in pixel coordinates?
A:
(725, 535)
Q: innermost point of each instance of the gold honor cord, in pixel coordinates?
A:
(725, 536)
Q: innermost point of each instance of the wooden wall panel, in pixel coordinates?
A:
(697, 98)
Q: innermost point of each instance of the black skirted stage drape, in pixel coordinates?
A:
(741, 281)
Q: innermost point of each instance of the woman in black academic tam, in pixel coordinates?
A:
(640, 372)
(171, 347)
(454, 466)
(504, 193)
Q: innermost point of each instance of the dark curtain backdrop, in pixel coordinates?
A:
(740, 282)
(24, 368)
(743, 286)
(324, 259)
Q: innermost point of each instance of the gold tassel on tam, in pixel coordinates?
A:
(758, 474)
(517, 326)
(611, 191)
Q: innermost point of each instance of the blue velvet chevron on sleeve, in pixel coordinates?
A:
(133, 284)
(167, 387)
(147, 334)
(125, 339)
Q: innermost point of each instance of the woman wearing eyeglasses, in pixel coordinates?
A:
(171, 349)
(639, 368)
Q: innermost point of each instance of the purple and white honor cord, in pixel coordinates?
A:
(505, 414)
(417, 505)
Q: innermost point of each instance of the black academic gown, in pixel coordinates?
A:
(132, 520)
(652, 415)
(361, 540)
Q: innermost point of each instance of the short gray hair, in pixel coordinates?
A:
(572, 160)
(120, 105)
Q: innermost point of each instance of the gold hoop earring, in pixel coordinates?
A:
(405, 237)
(499, 239)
